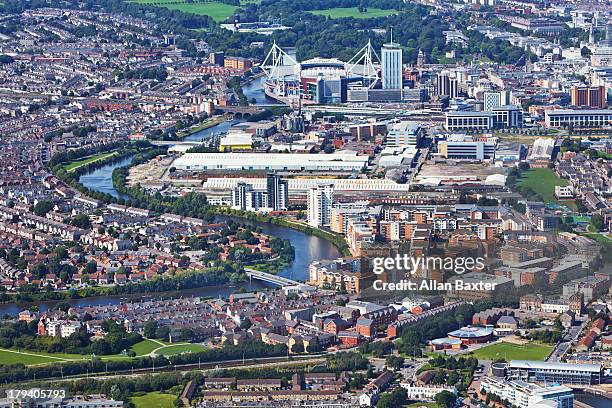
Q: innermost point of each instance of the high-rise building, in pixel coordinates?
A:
(320, 200)
(245, 198)
(217, 58)
(493, 99)
(278, 192)
(391, 62)
(447, 85)
(594, 96)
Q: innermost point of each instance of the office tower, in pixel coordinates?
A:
(493, 99)
(278, 192)
(594, 96)
(391, 62)
(320, 200)
(217, 58)
(447, 85)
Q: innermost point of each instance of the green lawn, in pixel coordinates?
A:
(217, 11)
(181, 348)
(154, 400)
(144, 347)
(84, 162)
(7, 358)
(543, 182)
(38, 357)
(510, 351)
(422, 404)
(340, 12)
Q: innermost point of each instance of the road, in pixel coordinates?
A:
(569, 336)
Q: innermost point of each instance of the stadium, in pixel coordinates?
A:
(472, 335)
(318, 80)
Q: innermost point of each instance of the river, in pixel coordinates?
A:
(307, 249)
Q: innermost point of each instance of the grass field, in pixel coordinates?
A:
(217, 11)
(422, 404)
(510, 351)
(84, 162)
(340, 12)
(37, 357)
(145, 347)
(543, 182)
(180, 348)
(154, 400)
(8, 357)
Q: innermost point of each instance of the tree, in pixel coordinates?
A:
(446, 399)
(597, 222)
(42, 207)
(394, 362)
(81, 221)
(150, 329)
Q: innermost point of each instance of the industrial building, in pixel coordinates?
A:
(335, 162)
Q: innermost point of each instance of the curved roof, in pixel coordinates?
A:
(470, 332)
(445, 341)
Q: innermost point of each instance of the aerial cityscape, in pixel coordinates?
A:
(305, 203)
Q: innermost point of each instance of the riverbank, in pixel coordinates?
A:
(181, 134)
(336, 239)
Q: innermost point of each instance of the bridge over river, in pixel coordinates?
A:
(269, 278)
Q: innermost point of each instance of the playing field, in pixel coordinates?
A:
(543, 182)
(27, 357)
(340, 12)
(217, 11)
(154, 400)
(84, 162)
(180, 348)
(510, 351)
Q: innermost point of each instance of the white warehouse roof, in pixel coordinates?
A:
(339, 161)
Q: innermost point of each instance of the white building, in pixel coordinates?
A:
(391, 62)
(69, 328)
(462, 147)
(320, 200)
(564, 192)
(522, 394)
(425, 392)
(338, 161)
(404, 133)
(247, 199)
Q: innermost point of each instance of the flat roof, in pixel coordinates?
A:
(470, 113)
(580, 111)
(593, 368)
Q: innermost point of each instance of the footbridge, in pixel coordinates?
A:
(269, 278)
